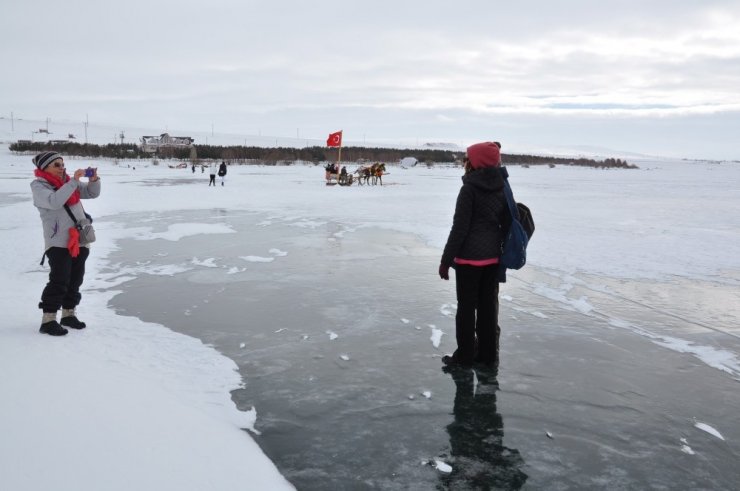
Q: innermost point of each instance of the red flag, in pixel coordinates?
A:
(334, 140)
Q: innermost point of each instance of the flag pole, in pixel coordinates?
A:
(339, 156)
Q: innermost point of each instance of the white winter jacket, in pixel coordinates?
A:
(50, 203)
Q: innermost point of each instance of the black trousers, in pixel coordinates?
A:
(65, 279)
(213, 180)
(476, 322)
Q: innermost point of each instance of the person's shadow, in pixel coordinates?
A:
(479, 458)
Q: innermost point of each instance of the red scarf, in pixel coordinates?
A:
(57, 183)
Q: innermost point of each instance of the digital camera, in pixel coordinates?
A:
(89, 172)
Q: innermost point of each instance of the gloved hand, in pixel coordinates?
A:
(444, 272)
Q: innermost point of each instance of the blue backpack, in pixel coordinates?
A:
(514, 250)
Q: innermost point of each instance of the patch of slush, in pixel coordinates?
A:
(303, 223)
(344, 357)
(405, 321)
(446, 310)
(685, 447)
(161, 270)
(332, 335)
(257, 259)
(278, 252)
(207, 263)
(578, 304)
(720, 359)
(177, 231)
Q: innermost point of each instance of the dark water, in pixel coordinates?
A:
(576, 404)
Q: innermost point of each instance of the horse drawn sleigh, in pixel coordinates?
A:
(365, 174)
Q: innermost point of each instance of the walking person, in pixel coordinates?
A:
(222, 171)
(212, 170)
(473, 248)
(57, 198)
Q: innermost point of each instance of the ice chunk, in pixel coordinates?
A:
(709, 429)
(436, 336)
(442, 466)
(685, 447)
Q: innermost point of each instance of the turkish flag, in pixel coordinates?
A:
(334, 140)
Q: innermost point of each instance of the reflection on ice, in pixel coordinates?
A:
(478, 456)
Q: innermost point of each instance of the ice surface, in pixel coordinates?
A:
(617, 317)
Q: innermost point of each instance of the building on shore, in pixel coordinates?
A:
(152, 144)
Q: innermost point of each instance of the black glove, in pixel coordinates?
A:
(444, 272)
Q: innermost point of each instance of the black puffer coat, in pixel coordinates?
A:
(481, 220)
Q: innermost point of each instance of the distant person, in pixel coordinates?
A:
(212, 170)
(473, 248)
(56, 196)
(193, 168)
(222, 171)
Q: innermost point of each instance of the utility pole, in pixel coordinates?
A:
(12, 123)
(86, 122)
(211, 129)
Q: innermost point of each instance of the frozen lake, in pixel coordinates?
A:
(333, 330)
(620, 343)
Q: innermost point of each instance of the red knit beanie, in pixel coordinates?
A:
(482, 155)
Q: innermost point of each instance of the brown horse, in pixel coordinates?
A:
(377, 171)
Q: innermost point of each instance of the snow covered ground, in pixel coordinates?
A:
(128, 404)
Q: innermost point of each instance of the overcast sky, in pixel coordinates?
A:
(655, 77)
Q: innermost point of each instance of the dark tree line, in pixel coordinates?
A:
(270, 155)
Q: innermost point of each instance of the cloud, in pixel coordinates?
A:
(284, 65)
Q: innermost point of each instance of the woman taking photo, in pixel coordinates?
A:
(57, 197)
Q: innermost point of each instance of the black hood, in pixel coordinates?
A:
(488, 179)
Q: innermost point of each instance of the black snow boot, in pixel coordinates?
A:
(52, 328)
(72, 322)
(69, 319)
(454, 361)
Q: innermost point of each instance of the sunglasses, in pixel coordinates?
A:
(58, 164)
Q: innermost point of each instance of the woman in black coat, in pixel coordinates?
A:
(473, 249)
(222, 172)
